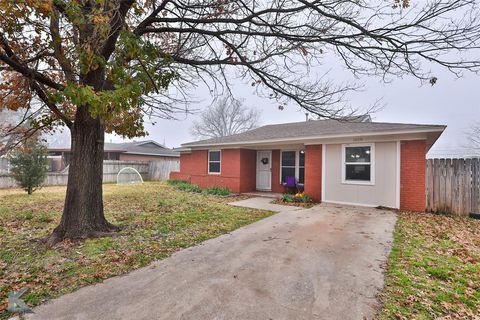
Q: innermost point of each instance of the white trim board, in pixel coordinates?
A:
(317, 137)
(297, 163)
(324, 163)
(370, 182)
(398, 175)
(219, 162)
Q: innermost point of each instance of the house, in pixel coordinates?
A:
(354, 162)
(148, 150)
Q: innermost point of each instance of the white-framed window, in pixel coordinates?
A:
(292, 164)
(214, 161)
(358, 165)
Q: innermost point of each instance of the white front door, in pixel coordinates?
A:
(264, 170)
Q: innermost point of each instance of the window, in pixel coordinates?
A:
(293, 165)
(358, 164)
(214, 161)
(288, 164)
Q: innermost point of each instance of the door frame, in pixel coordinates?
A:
(270, 169)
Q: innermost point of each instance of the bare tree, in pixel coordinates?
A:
(99, 66)
(473, 137)
(225, 117)
(12, 130)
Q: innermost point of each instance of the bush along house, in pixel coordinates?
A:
(347, 162)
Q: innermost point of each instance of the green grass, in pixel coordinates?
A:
(155, 219)
(219, 191)
(186, 186)
(433, 269)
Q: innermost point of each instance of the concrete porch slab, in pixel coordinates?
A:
(263, 194)
(263, 203)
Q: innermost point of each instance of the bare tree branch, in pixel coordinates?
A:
(225, 117)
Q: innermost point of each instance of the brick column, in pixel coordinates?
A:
(248, 170)
(313, 171)
(276, 186)
(412, 175)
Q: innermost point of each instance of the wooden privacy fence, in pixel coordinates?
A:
(453, 185)
(160, 170)
(155, 170)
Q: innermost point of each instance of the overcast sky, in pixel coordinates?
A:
(452, 101)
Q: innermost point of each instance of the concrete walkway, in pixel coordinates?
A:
(264, 203)
(320, 263)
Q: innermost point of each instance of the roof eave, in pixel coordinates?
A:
(439, 130)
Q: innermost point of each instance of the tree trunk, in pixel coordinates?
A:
(83, 215)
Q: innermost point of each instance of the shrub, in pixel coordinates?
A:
(288, 198)
(176, 182)
(219, 191)
(29, 166)
(184, 186)
(297, 198)
(194, 188)
(306, 199)
(187, 186)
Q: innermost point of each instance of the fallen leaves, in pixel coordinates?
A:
(156, 221)
(434, 268)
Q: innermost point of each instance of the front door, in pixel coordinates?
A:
(264, 170)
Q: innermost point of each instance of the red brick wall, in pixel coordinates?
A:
(194, 163)
(313, 171)
(248, 170)
(412, 175)
(237, 171)
(276, 185)
(176, 175)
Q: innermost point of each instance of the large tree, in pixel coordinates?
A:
(99, 66)
(225, 117)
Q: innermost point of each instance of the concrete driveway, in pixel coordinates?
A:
(320, 263)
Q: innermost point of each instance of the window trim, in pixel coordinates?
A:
(297, 163)
(219, 162)
(371, 182)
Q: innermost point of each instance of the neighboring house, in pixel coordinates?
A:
(128, 151)
(360, 163)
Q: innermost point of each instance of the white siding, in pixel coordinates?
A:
(383, 192)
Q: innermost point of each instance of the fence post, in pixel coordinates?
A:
(476, 185)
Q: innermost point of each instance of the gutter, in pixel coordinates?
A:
(300, 139)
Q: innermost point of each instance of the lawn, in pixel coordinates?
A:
(155, 218)
(434, 269)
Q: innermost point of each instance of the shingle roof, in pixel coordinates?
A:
(148, 147)
(314, 128)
